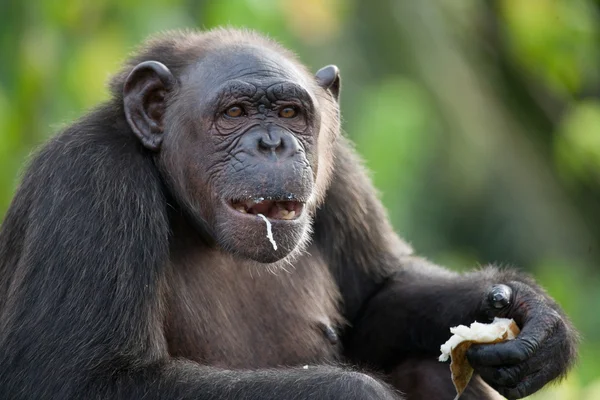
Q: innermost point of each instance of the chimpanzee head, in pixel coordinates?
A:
(242, 134)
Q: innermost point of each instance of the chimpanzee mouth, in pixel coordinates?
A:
(272, 209)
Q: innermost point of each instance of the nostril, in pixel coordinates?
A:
(269, 144)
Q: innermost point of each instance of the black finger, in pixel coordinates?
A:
(504, 376)
(506, 353)
(511, 352)
(529, 385)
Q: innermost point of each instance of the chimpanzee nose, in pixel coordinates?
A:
(270, 142)
(276, 142)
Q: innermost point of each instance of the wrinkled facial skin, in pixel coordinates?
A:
(241, 140)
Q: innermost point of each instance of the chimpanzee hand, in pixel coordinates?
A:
(543, 351)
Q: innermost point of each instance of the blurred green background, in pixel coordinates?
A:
(480, 120)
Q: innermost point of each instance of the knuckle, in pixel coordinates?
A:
(509, 376)
(515, 354)
(502, 376)
(520, 392)
(526, 348)
(551, 319)
(561, 330)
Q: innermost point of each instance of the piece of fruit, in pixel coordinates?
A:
(500, 330)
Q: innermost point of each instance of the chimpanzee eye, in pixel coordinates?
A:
(234, 111)
(288, 112)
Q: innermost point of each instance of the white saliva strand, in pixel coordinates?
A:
(269, 231)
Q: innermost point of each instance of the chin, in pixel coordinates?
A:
(242, 229)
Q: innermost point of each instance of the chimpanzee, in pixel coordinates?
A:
(208, 233)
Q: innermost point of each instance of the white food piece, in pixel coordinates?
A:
(477, 332)
(269, 231)
(305, 367)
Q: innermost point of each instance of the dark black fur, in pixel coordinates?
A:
(96, 250)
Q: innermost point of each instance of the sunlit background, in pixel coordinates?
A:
(480, 120)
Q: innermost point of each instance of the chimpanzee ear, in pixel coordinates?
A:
(329, 78)
(144, 100)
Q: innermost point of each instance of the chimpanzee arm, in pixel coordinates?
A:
(400, 305)
(84, 249)
(187, 380)
(412, 312)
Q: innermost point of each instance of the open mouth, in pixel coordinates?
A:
(272, 209)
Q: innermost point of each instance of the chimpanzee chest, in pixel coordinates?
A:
(234, 314)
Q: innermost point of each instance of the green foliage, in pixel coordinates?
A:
(479, 120)
(577, 146)
(556, 41)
